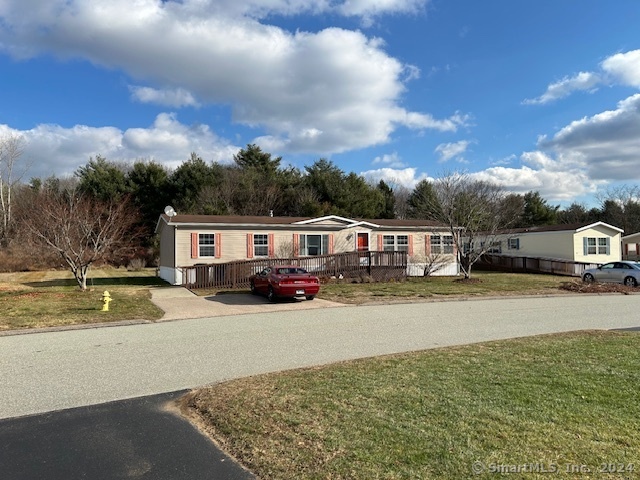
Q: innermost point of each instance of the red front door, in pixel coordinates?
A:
(363, 242)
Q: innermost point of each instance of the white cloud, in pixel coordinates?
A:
(448, 151)
(178, 97)
(560, 179)
(621, 68)
(167, 141)
(583, 81)
(624, 67)
(338, 84)
(405, 177)
(552, 185)
(508, 160)
(607, 144)
(369, 9)
(392, 160)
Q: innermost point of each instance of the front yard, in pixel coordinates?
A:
(567, 402)
(52, 298)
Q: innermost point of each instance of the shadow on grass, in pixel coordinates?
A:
(141, 281)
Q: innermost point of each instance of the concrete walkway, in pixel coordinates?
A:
(50, 371)
(180, 303)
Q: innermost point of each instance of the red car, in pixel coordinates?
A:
(285, 281)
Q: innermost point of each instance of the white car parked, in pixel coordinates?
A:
(624, 272)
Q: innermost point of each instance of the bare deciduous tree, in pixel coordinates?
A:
(620, 206)
(475, 211)
(11, 149)
(285, 250)
(80, 229)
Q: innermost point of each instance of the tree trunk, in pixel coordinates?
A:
(81, 277)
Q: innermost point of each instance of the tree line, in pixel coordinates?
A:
(257, 183)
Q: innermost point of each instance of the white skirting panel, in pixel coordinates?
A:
(171, 275)
(449, 270)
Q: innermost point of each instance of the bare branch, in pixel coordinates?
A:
(81, 230)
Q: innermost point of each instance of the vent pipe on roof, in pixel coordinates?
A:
(271, 213)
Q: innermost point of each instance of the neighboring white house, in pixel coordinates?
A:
(596, 242)
(631, 246)
(187, 240)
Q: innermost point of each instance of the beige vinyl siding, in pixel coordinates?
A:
(234, 241)
(615, 252)
(563, 245)
(544, 244)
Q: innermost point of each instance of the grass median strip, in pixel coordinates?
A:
(562, 400)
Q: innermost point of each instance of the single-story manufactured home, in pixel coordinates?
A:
(596, 242)
(187, 240)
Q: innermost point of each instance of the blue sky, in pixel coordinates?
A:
(534, 95)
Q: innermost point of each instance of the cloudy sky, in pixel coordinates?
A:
(536, 95)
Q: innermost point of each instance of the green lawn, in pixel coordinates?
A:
(567, 401)
(52, 298)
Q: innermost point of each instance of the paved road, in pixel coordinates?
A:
(132, 439)
(50, 371)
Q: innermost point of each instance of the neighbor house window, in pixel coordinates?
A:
(207, 245)
(596, 246)
(495, 247)
(603, 246)
(514, 244)
(260, 245)
(314, 245)
(395, 243)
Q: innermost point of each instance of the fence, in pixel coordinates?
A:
(378, 266)
(505, 263)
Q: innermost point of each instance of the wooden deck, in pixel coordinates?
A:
(373, 266)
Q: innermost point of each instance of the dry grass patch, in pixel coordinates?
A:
(417, 288)
(552, 400)
(52, 298)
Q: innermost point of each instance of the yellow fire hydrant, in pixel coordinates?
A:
(106, 298)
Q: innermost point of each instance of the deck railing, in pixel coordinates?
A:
(373, 266)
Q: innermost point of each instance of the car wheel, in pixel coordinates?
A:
(253, 288)
(588, 278)
(310, 297)
(630, 282)
(271, 295)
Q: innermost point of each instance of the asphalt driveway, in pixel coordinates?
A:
(142, 438)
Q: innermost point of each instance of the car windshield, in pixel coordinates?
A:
(291, 270)
(635, 265)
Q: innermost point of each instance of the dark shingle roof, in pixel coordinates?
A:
(266, 220)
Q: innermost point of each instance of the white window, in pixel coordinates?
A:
(395, 243)
(206, 245)
(260, 245)
(596, 246)
(603, 246)
(514, 244)
(441, 243)
(436, 244)
(447, 244)
(311, 245)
